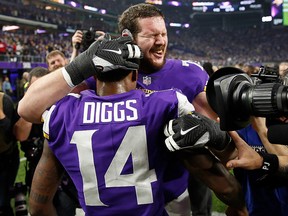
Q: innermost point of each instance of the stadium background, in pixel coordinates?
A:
(222, 32)
(247, 32)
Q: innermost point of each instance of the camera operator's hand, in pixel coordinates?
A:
(100, 34)
(102, 56)
(247, 158)
(77, 39)
(194, 131)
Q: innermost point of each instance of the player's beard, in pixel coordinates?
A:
(57, 67)
(147, 65)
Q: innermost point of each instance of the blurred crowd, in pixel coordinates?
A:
(243, 45)
(217, 46)
(247, 46)
(213, 48)
(64, 17)
(27, 46)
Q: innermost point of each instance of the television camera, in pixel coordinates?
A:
(235, 96)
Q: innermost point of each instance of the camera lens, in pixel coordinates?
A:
(266, 100)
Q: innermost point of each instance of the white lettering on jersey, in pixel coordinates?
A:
(134, 116)
(96, 112)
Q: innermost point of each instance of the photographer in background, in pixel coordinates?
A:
(76, 40)
(84, 39)
(81, 40)
(31, 135)
(32, 140)
(9, 153)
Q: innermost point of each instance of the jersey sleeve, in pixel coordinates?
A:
(190, 78)
(46, 119)
(198, 78)
(184, 106)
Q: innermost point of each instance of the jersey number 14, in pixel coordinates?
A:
(134, 143)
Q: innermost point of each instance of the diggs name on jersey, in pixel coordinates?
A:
(104, 112)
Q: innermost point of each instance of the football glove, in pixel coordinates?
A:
(194, 131)
(103, 55)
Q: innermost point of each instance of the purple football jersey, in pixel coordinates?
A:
(187, 76)
(113, 148)
(191, 79)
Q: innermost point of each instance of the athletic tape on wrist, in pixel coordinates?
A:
(270, 162)
(67, 77)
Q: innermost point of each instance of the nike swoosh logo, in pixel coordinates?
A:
(188, 130)
(119, 52)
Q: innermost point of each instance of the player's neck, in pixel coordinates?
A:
(110, 88)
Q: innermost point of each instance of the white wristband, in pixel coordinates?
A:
(67, 77)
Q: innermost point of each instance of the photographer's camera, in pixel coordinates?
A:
(89, 36)
(19, 191)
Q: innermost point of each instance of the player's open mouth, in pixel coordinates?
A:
(158, 54)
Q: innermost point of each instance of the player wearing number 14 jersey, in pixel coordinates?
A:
(113, 148)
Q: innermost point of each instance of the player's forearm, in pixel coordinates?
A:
(40, 210)
(233, 199)
(41, 95)
(42, 193)
(213, 174)
(228, 153)
(227, 188)
(46, 180)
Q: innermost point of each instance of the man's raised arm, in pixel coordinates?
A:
(41, 95)
(98, 57)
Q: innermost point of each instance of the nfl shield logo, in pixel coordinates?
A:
(147, 80)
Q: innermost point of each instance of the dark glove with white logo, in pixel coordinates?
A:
(102, 56)
(194, 131)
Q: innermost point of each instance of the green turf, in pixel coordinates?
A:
(21, 171)
(218, 206)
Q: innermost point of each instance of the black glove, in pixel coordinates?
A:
(103, 55)
(193, 131)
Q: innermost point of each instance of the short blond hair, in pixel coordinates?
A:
(54, 53)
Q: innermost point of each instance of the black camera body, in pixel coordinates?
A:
(19, 192)
(89, 36)
(235, 96)
(267, 75)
